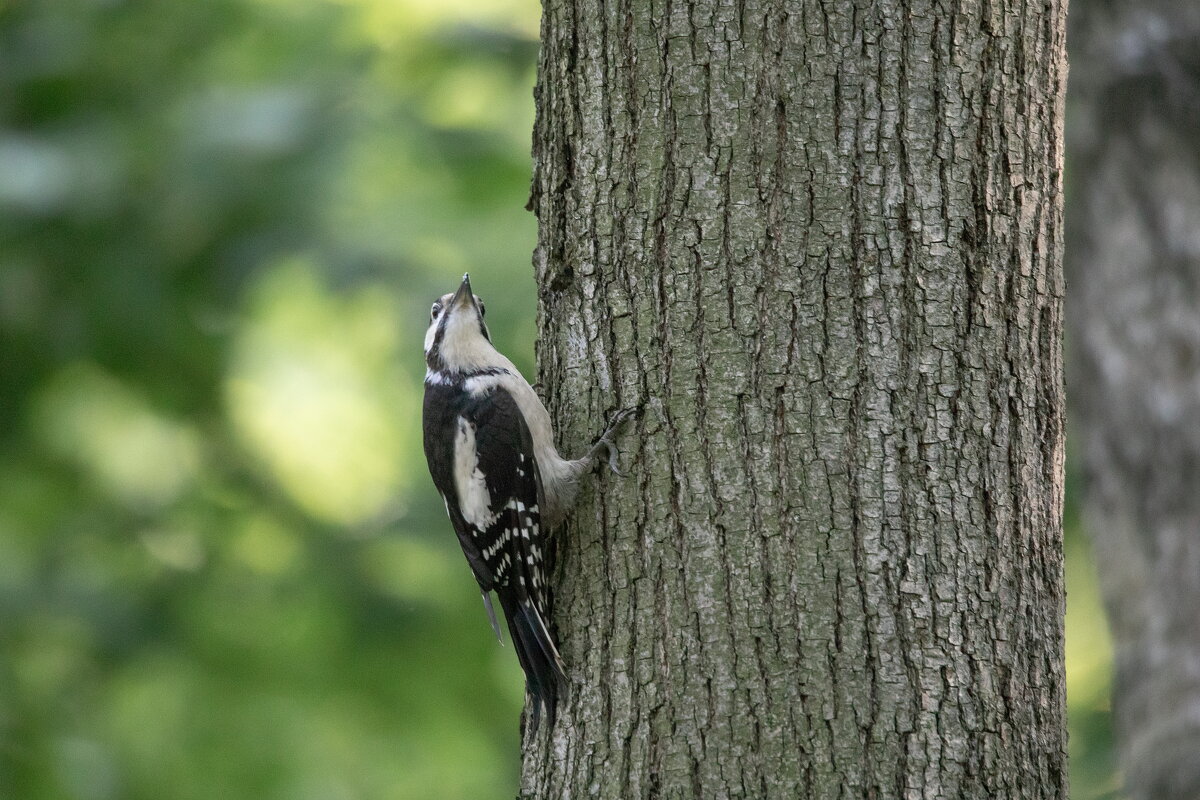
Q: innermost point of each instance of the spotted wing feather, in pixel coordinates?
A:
(501, 538)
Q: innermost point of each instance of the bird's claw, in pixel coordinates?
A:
(613, 459)
(619, 419)
(606, 440)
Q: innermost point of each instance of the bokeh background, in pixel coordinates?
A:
(223, 571)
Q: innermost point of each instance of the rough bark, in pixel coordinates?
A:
(1134, 262)
(819, 243)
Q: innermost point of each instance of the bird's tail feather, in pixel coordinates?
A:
(544, 677)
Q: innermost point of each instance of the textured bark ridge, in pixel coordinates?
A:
(820, 244)
(1135, 315)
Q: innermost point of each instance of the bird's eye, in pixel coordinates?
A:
(437, 308)
(482, 309)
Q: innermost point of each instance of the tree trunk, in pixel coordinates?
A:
(819, 244)
(1135, 266)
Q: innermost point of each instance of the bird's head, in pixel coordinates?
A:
(457, 339)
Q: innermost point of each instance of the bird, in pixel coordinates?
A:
(490, 448)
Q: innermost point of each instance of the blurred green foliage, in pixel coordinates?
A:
(223, 572)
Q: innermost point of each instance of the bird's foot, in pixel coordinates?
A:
(606, 441)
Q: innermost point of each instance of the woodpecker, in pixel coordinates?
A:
(491, 454)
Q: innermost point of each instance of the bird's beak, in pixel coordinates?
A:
(463, 296)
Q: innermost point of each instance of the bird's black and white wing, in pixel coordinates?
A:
(488, 476)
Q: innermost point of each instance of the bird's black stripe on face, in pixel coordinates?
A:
(433, 359)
